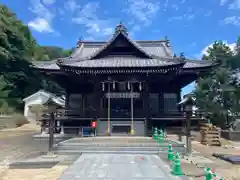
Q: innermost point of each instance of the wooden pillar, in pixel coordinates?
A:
(67, 102)
(161, 103)
(98, 98)
(83, 105)
(179, 98)
(146, 106)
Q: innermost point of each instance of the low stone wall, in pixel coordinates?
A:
(233, 136)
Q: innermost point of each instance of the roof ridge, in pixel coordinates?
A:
(170, 59)
(139, 41)
(199, 61)
(112, 40)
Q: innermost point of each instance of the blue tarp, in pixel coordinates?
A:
(87, 131)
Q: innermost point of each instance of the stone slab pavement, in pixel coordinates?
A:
(118, 167)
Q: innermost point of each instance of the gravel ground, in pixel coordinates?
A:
(34, 174)
(227, 170)
(21, 146)
(18, 144)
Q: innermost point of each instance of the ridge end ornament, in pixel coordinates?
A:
(120, 28)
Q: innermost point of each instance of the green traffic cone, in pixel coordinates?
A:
(177, 169)
(155, 135)
(170, 153)
(214, 175)
(161, 132)
(208, 174)
(164, 136)
(159, 138)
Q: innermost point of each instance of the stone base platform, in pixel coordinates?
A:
(119, 167)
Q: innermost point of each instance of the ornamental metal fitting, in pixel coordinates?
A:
(59, 61)
(182, 56)
(79, 42)
(167, 42)
(121, 29)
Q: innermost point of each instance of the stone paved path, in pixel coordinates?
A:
(117, 167)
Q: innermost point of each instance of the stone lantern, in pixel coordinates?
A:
(187, 103)
(51, 109)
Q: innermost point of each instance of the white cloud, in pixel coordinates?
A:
(48, 2)
(71, 5)
(96, 27)
(40, 10)
(185, 17)
(89, 38)
(165, 5)
(43, 18)
(223, 2)
(143, 11)
(235, 5)
(174, 6)
(40, 25)
(234, 20)
(209, 13)
(183, 1)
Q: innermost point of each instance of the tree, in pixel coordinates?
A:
(3, 108)
(219, 52)
(215, 93)
(46, 53)
(18, 49)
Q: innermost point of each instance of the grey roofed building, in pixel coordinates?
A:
(156, 54)
(131, 86)
(41, 97)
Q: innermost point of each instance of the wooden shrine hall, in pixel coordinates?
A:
(128, 85)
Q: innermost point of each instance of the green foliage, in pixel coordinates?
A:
(215, 93)
(18, 49)
(234, 62)
(219, 52)
(46, 53)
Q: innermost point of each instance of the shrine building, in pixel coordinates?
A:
(128, 86)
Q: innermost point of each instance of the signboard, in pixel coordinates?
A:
(123, 95)
(94, 124)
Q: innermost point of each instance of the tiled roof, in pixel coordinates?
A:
(197, 64)
(119, 35)
(121, 61)
(157, 48)
(150, 54)
(48, 65)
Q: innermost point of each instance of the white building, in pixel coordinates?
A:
(40, 98)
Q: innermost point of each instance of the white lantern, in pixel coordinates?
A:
(129, 86)
(103, 86)
(140, 86)
(114, 85)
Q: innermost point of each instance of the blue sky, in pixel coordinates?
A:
(190, 25)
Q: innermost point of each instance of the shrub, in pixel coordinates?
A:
(19, 119)
(38, 110)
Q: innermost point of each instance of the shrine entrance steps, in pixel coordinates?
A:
(113, 145)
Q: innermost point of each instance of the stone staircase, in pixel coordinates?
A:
(113, 145)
